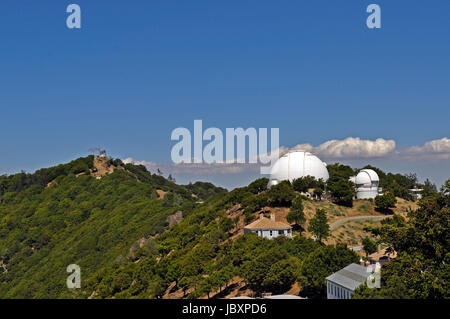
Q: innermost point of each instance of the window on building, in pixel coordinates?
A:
(270, 233)
(281, 232)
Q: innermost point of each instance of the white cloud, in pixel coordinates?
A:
(434, 150)
(350, 148)
(197, 168)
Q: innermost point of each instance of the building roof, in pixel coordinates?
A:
(266, 223)
(350, 277)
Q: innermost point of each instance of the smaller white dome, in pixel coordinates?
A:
(373, 175)
(362, 179)
(366, 182)
(366, 177)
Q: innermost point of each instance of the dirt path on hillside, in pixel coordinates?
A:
(341, 221)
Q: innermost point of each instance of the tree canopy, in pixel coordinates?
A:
(318, 225)
(421, 269)
(385, 202)
(296, 214)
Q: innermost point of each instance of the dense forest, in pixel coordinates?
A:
(117, 229)
(80, 219)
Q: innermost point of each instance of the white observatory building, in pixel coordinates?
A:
(366, 183)
(297, 164)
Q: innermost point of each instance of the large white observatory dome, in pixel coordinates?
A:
(366, 182)
(297, 164)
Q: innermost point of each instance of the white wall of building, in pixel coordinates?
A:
(270, 233)
(362, 193)
(338, 292)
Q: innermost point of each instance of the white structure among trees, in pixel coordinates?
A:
(268, 228)
(366, 183)
(416, 193)
(343, 283)
(297, 164)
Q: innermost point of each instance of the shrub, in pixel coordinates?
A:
(385, 202)
(281, 194)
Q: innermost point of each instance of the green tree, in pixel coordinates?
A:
(341, 189)
(174, 272)
(301, 184)
(281, 275)
(339, 170)
(255, 270)
(205, 287)
(369, 246)
(318, 193)
(184, 284)
(324, 261)
(281, 194)
(221, 277)
(296, 214)
(258, 186)
(429, 188)
(318, 225)
(385, 202)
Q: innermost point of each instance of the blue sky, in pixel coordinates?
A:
(138, 69)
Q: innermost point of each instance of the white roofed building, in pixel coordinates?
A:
(269, 228)
(343, 283)
(366, 182)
